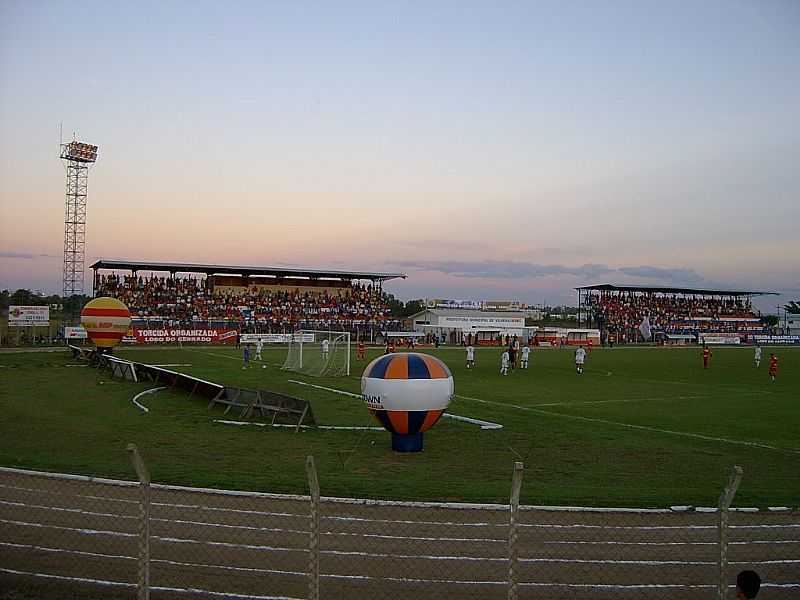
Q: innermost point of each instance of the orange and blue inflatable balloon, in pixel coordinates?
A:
(106, 321)
(407, 393)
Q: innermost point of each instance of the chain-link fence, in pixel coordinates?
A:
(122, 539)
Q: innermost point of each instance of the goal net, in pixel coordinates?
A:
(319, 353)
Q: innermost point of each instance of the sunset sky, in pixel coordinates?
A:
(508, 150)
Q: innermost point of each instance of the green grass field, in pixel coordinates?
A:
(641, 427)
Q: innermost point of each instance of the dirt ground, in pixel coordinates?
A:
(79, 538)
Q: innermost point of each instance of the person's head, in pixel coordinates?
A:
(747, 585)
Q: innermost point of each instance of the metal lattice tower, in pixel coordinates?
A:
(78, 157)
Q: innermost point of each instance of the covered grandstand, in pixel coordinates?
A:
(264, 275)
(249, 299)
(672, 312)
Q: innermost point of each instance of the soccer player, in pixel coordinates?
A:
(773, 366)
(706, 356)
(589, 345)
(757, 357)
(259, 346)
(580, 358)
(325, 347)
(515, 355)
(360, 350)
(512, 355)
(526, 350)
(246, 356)
(470, 356)
(504, 363)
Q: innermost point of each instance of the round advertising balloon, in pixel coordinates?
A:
(106, 321)
(407, 393)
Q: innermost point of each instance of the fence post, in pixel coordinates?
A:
(725, 500)
(513, 559)
(313, 542)
(143, 585)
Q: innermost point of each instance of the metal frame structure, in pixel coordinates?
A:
(77, 157)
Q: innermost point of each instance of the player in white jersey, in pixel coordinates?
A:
(757, 356)
(470, 356)
(325, 348)
(580, 358)
(259, 346)
(526, 351)
(504, 363)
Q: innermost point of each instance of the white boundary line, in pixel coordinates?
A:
(698, 436)
(333, 499)
(480, 422)
(619, 400)
(144, 393)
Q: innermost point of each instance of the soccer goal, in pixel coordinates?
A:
(319, 353)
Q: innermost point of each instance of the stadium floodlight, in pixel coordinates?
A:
(78, 156)
(79, 152)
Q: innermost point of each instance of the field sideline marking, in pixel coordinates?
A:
(483, 424)
(620, 400)
(698, 436)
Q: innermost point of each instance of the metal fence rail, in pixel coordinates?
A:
(144, 540)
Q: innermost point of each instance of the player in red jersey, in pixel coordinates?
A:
(706, 356)
(589, 345)
(773, 366)
(360, 350)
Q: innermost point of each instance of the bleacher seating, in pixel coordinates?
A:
(621, 313)
(190, 301)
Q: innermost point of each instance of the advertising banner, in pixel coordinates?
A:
(189, 336)
(460, 304)
(720, 338)
(477, 321)
(75, 333)
(275, 338)
(28, 316)
(776, 339)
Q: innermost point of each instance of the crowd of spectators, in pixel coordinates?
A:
(621, 313)
(190, 301)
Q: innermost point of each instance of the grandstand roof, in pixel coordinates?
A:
(170, 267)
(673, 290)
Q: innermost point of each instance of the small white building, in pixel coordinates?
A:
(454, 325)
(792, 324)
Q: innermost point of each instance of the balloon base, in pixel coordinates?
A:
(410, 442)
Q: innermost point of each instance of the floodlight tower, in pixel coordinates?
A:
(77, 157)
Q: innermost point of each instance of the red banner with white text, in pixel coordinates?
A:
(173, 335)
